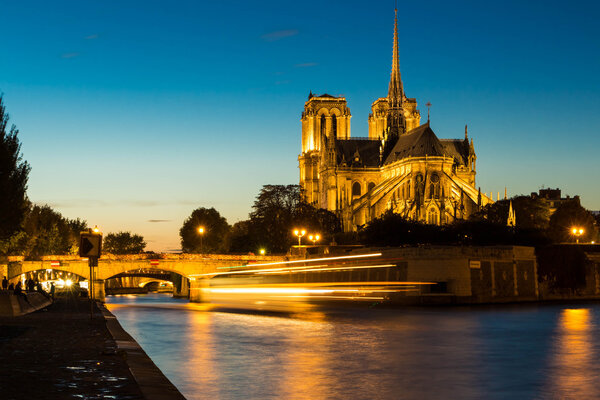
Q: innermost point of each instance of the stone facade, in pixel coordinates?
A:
(401, 165)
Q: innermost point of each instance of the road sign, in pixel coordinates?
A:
(90, 245)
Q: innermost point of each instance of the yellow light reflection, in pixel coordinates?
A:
(310, 374)
(573, 360)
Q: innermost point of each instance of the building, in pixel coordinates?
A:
(401, 166)
(552, 197)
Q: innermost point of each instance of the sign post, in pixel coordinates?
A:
(90, 247)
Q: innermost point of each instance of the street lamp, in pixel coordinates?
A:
(577, 232)
(300, 233)
(262, 252)
(201, 233)
(314, 238)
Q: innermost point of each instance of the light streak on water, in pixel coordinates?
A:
(501, 352)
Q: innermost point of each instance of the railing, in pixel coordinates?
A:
(362, 138)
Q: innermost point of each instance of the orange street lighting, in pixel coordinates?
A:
(201, 233)
(300, 233)
(262, 252)
(577, 232)
(314, 238)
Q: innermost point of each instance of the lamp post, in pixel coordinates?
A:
(577, 232)
(300, 233)
(314, 238)
(201, 233)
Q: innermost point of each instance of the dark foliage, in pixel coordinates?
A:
(529, 213)
(216, 232)
(45, 232)
(277, 211)
(393, 230)
(123, 243)
(568, 215)
(14, 173)
(243, 238)
(272, 216)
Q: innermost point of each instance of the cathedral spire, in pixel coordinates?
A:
(395, 90)
(396, 123)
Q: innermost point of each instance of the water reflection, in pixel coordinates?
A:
(307, 373)
(574, 372)
(492, 353)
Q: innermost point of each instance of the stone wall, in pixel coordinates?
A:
(486, 274)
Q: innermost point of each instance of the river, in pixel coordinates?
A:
(499, 352)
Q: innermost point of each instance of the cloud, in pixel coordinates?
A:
(69, 55)
(87, 203)
(276, 35)
(304, 65)
(159, 220)
(91, 37)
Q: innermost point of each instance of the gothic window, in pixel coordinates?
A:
(403, 191)
(333, 126)
(355, 189)
(371, 186)
(323, 124)
(434, 187)
(433, 216)
(408, 190)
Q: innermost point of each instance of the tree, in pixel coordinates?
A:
(215, 232)
(45, 232)
(123, 243)
(568, 215)
(530, 213)
(272, 216)
(14, 173)
(244, 239)
(276, 214)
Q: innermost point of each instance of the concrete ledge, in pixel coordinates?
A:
(152, 382)
(13, 306)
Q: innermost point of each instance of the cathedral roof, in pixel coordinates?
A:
(327, 95)
(457, 148)
(419, 142)
(357, 152)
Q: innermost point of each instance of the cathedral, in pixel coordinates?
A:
(401, 166)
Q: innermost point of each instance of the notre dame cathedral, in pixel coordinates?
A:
(401, 166)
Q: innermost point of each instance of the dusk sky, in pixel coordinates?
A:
(134, 113)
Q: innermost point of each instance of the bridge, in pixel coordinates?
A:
(194, 269)
(421, 274)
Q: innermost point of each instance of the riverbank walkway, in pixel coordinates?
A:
(60, 353)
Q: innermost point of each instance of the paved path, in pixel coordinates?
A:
(59, 353)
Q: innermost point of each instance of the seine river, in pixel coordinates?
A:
(501, 352)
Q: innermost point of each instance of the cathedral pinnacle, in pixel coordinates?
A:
(395, 91)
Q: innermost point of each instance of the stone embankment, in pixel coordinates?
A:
(12, 306)
(59, 352)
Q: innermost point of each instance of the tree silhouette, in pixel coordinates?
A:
(14, 172)
(123, 243)
(568, 215)
(214, 237)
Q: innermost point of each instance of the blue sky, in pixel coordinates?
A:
(132, 114)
